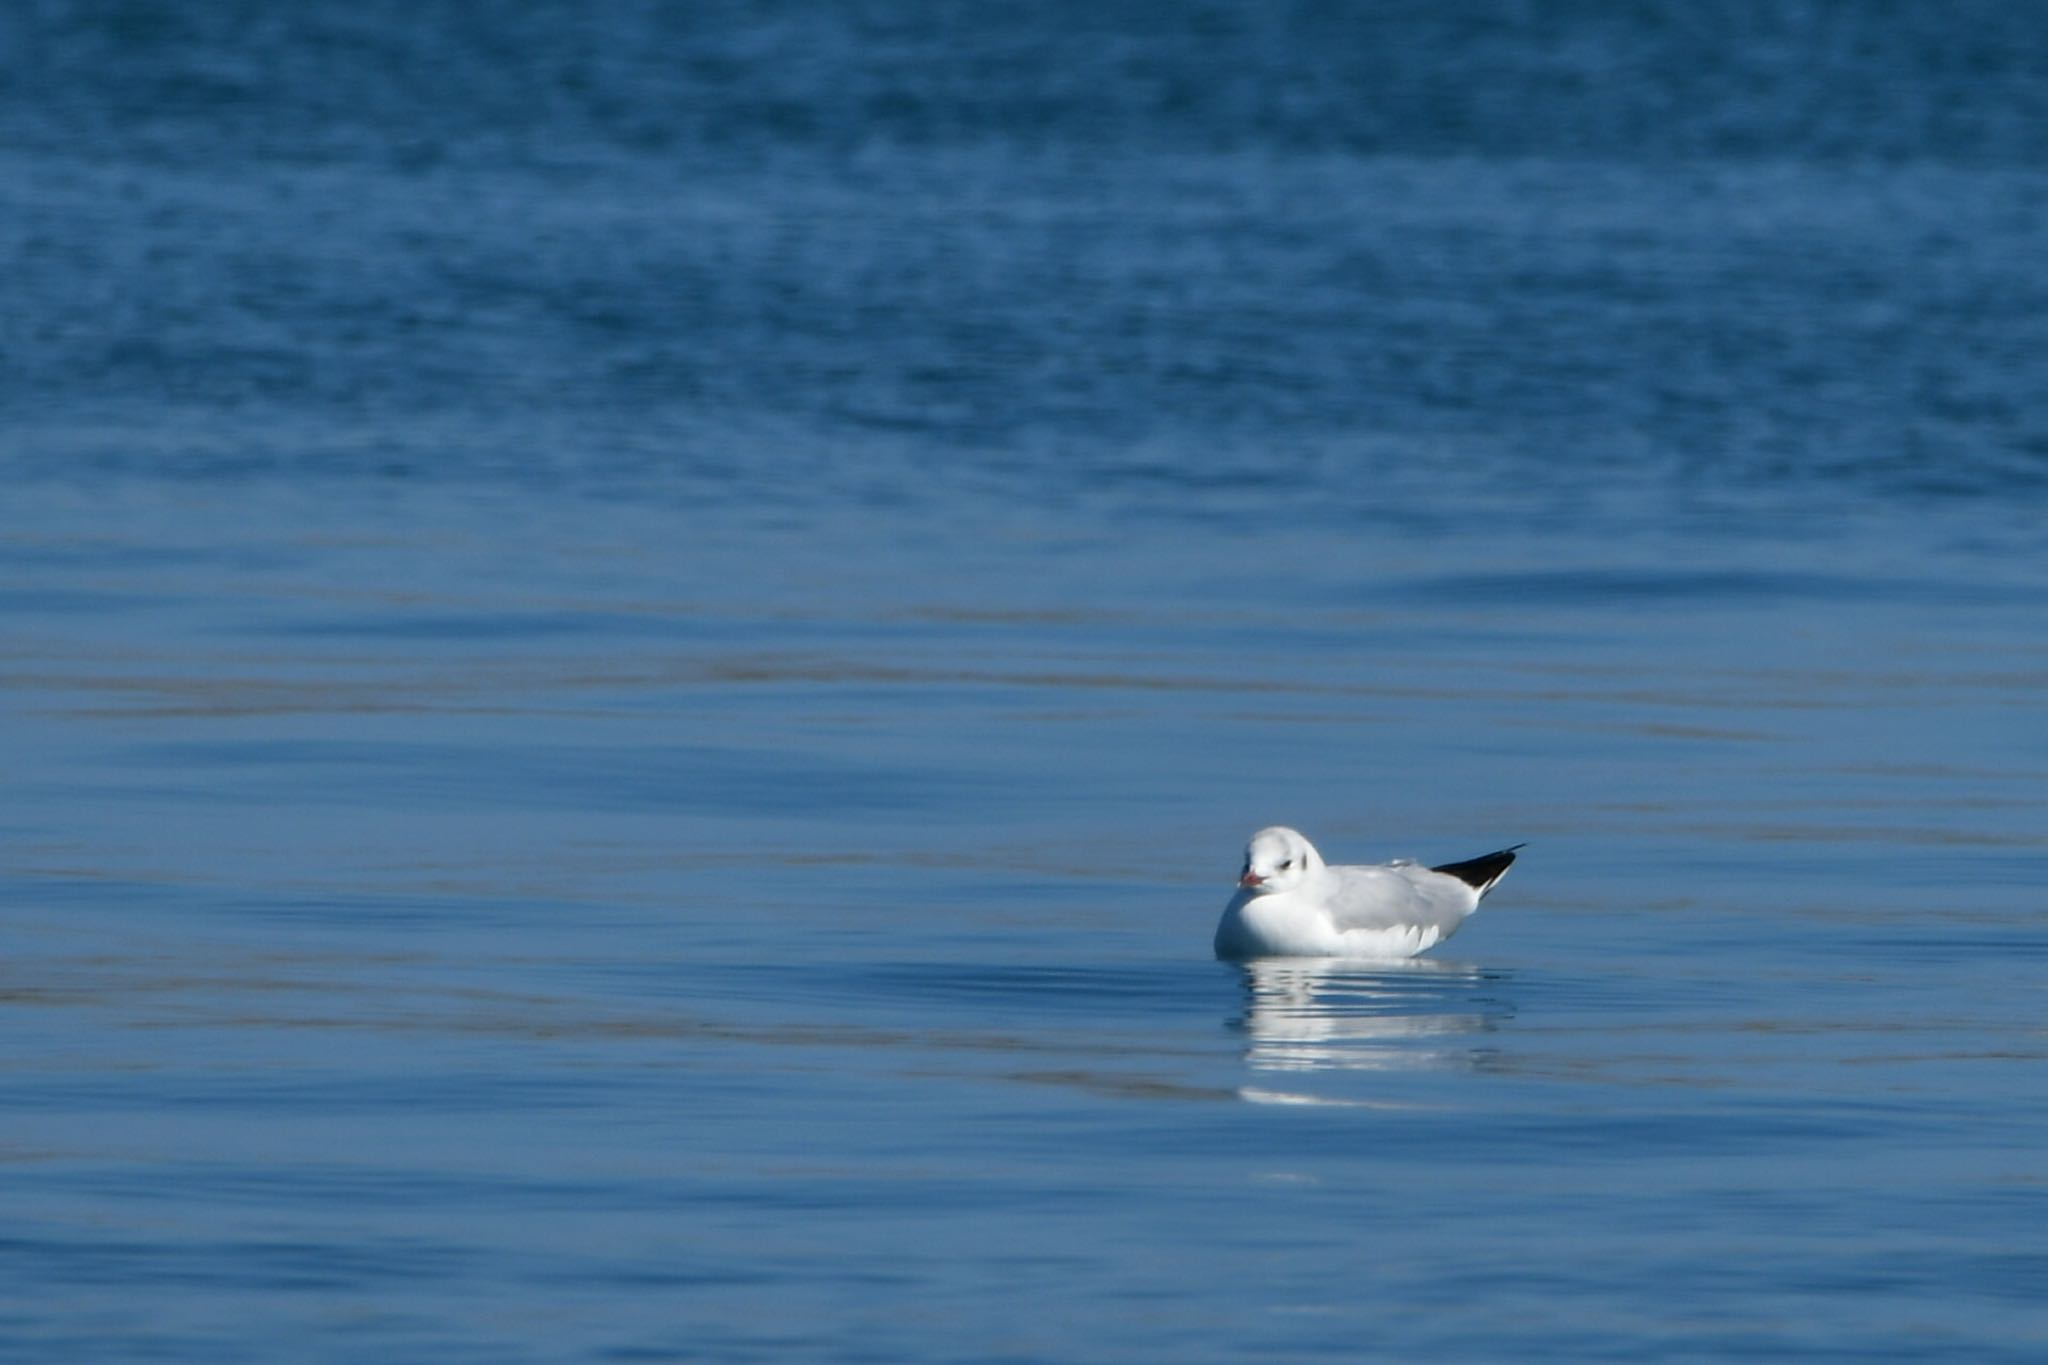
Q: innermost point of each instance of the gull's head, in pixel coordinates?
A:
(1277, 859)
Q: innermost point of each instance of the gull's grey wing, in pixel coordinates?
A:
(1397, 896)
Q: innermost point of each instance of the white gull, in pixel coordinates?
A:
(1290, 903)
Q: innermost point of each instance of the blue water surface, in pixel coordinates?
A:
(637, 644)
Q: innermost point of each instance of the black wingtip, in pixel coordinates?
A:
(1482, 872)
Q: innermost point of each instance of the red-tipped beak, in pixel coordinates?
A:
(1251, 878)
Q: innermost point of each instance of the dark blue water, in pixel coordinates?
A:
(636, 646)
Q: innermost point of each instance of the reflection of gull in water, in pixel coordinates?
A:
(1317, 1014)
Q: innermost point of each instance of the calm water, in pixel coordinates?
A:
(635, 654)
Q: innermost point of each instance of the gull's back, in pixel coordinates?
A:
(1397, 895)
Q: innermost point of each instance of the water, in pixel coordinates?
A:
(635, 652)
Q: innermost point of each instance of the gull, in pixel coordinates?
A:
(1290, 903)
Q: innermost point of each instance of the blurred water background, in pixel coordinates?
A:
(637, 642)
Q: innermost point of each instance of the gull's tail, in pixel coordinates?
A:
(1483, 873)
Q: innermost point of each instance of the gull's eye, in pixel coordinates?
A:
(1287, 863)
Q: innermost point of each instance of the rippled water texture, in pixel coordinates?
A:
(636, 649)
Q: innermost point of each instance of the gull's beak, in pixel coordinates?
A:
(1251, 878)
